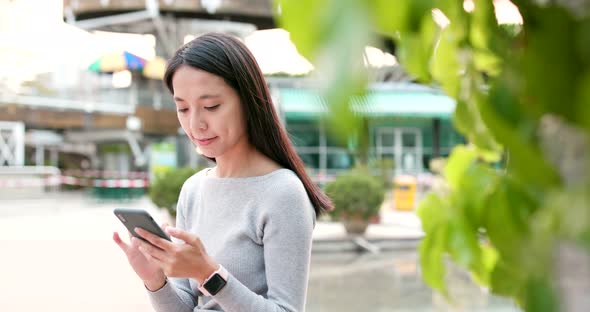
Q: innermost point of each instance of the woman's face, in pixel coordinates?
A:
(209, 111)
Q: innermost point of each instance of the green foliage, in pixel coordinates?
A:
(165, 190)
(502, 224)
(355, 194)
(384, 169)
(333, 25)
(114, 148)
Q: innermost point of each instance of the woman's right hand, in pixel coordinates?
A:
(152, 275)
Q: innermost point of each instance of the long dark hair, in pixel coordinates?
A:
(227, 57)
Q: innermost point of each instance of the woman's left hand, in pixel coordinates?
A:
(188, 260)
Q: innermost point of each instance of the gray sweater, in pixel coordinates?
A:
(259, 229)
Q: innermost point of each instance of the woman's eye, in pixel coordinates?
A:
(212, 107)
(182, 110)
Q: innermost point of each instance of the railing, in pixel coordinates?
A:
(71, 104)
(28, 181)
(29, 170)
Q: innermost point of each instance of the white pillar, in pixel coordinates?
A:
(54, 157)
(39, 155)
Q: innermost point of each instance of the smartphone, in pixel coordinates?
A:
(133, 218)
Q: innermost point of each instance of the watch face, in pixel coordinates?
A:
(215, 284)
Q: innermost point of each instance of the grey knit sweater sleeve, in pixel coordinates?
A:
(259, 229)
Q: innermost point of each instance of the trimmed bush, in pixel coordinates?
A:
(166, 188)
(356, 195)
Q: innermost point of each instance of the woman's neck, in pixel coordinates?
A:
(245, 161)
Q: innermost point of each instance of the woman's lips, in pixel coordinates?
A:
(205, 142)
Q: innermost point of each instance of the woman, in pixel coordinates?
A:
(246, 223)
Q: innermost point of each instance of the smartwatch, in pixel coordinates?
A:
(215, 282)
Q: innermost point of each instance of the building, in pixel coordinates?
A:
(93, 125)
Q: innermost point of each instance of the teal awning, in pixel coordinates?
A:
(306, 103)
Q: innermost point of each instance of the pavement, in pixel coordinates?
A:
(56, 251)
(76, 216)
(57, 255)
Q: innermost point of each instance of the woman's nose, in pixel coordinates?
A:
(197, 122)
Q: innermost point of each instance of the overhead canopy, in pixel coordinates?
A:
(309, 104)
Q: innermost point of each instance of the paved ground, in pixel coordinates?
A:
(58, 215)
(57, 255)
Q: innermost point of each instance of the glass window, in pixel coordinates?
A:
(311, 160)
(304, 135)
(408, 139)
(339, 160)
(387, 138)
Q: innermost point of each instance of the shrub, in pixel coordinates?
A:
(384, 169)
(356, 194)
(165, 190)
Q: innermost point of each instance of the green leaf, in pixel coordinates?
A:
(414, 57)
(503, 99)
(525, 159)
(462, 243)
(583, 41)
(445, 65)
(307, 32)
(343, 122)
(475, 187)
(331, 29)
(416, 44)
(482, 272)
(489, 156)
(540, 296)
(503, 233)
(459, 18)
(485, 61)
(551, 63)
(462, 119)
(432, 250)
(583, 104)
(419, 11)
(508, 213)
(432, 212)
(390, 17)
(483, 29)
(460, 160)
(333, 36)
(483, 24)
(508, 280)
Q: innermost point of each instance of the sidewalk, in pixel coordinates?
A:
(58, 255)
(74, 216)
(396, 230)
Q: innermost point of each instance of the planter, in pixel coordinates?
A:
(355, 226)
(357, 198)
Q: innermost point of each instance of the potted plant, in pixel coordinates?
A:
(166, 188)
(357, 198)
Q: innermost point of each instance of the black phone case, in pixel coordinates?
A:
(133, 218)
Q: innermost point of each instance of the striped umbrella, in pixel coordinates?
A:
(154, 69)
(118, 61)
